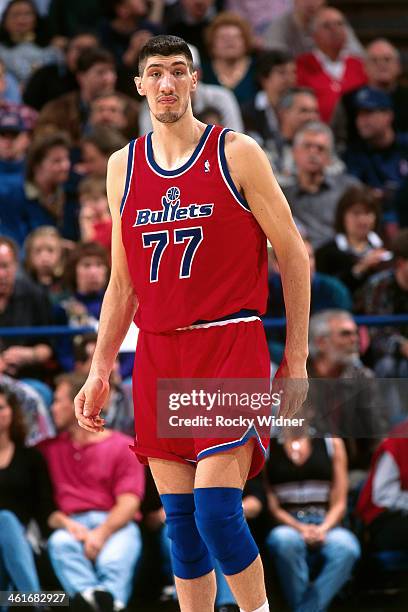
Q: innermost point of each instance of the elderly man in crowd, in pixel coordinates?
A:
(329, 68)
(313, 194)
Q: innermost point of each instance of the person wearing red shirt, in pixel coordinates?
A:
(329, 69)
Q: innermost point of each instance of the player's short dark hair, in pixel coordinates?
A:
(399, 245)
(270, 60)
(166, 45)
(92, 56)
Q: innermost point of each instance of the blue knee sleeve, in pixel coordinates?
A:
(221, 523)
(189, 555)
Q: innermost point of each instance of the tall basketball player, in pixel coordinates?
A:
(192, 206)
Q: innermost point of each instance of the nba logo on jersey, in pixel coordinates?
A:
(206, 166)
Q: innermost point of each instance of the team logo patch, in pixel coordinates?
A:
(172, 210)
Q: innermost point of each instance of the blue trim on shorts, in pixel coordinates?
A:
(233, 444)
(241, 314)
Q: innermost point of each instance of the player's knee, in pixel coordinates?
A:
(222, 525)
(189, 554)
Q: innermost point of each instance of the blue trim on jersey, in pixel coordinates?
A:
(236, 315)
(226, 172)
(190, 162)
(128, 174)
(234, 444)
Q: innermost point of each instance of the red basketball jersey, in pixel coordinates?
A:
(195, 252)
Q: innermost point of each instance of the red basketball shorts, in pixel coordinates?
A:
(233, 350)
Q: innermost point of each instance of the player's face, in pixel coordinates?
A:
(167, 84)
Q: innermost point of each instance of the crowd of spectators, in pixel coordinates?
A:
(332, 119)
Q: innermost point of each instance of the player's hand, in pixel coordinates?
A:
(93, 543)
(89, 403)
(292, 385)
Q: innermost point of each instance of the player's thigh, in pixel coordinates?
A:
(172, 476)
(229, 469)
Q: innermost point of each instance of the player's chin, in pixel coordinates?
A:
(168, 117)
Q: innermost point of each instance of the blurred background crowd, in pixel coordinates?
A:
(328, 104)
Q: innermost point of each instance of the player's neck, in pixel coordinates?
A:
(174, 143)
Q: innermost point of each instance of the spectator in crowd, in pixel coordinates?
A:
(44, 198)
(94, 218)
(386, 293)
(379, 157)
(294, 30)
(67, 18)
(21, 304)
(383, 501)
(35, 409)
(109, 109)
(25, 494)
(259, 13)
(220, 98)
(229, 42)
(191, 21)
(326, 293)
(329, 68)
(352, 410)
(44, 259)
(125, 18)
(383, 68)
(96, 74)
(313, 194)
(356, 251)
(14, 142)
(9, 87)
(23, 40)
(307, 486)
(54, 80)
(97, 147)
(276, 75)
(86, 276)
(98, 487)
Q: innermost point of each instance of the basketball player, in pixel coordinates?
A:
(192, 206)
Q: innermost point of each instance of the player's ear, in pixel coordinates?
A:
(139, 86)
(194, 80)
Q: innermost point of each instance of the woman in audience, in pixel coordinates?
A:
(229, 42)
(44, 258)
(357, 251)
(22, 40)
(307, 495)
(25, 494)
(86, 276)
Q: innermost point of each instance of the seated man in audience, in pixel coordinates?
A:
(21, 304)
(275, 71)
(383, 68)
(379, 157)
(386, 293)
(293, 30)
(329, 69)
(98, 487)
(313, 194)
(110, 110)
(383, 501)
(307, 482)
(351, 410)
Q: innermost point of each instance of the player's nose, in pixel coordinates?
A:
(167, 83)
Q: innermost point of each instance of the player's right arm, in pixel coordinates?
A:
(118, 308)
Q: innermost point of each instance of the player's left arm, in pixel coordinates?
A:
(251, 172)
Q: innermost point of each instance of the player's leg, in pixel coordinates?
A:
(218, 486)
(192, 565)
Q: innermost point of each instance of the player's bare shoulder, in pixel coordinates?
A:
(243, 156)
(116, 176)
